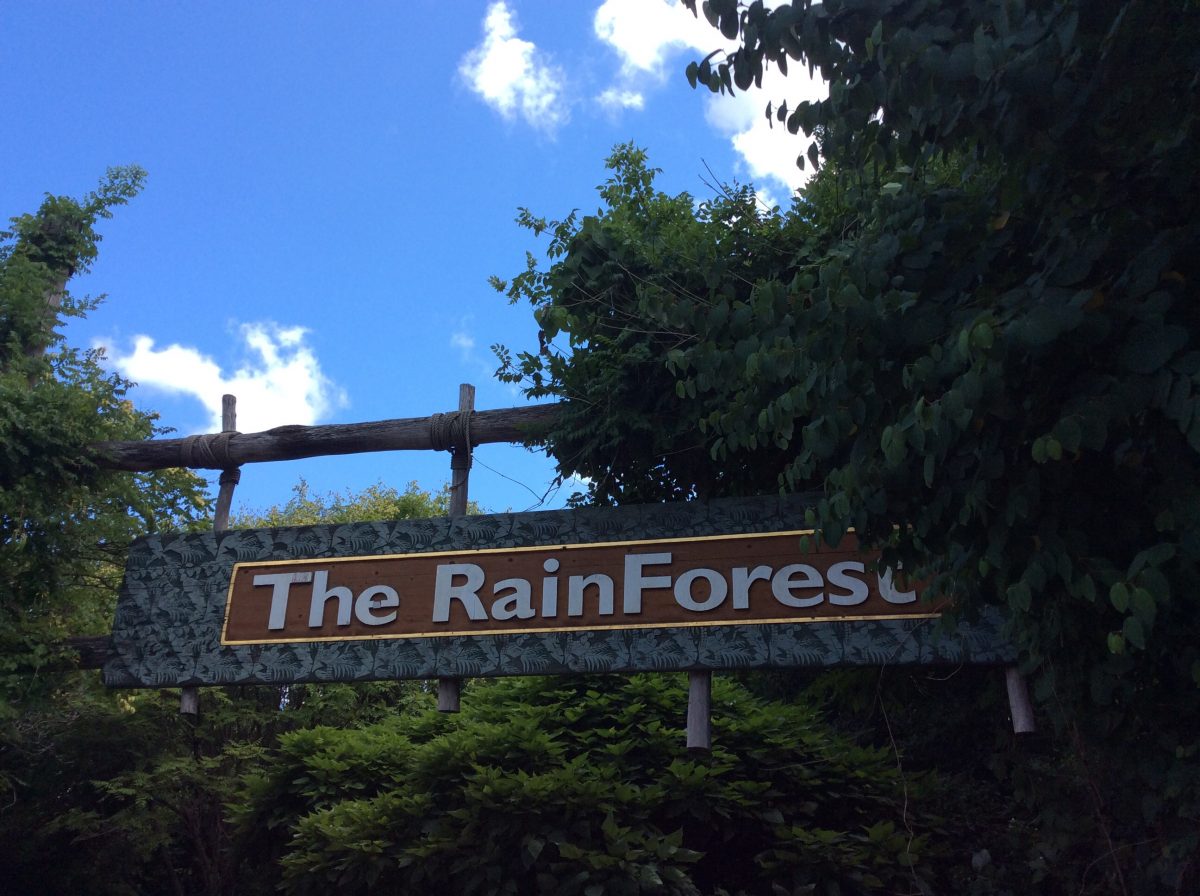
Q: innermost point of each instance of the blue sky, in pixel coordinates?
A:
(332, 184)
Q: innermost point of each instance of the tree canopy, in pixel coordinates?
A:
(974, 333)
(63, 521)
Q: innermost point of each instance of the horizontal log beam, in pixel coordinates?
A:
(295, 442)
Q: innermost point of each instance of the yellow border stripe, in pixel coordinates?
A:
(574, 546)
(803, 620)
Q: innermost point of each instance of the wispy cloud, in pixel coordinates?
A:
(615, 99)
(652, 37)
(465, 343)
(513, 76)
(475, 362)
(279, 383)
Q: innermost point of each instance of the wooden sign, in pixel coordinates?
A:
(741, 579)
(722, 585)
(719, 580)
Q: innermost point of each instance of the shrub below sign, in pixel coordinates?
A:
(578, 786)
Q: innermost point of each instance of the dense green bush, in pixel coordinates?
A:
(115, 793)
(583, 786)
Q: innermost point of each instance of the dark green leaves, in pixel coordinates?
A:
(974, 339)
(578, 786)
(1151, 345)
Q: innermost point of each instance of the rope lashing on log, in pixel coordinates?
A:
(207, 452)
(452, 432)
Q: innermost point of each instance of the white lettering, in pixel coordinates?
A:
(785, 582)
(444, 591)
(377, 597)
(550, 595)
(604, 590)
(839, 575)
(636, 583)
(742, 580)
(321, 594)
(517, 604)
(887, 588)
(280, 583)
(717, 589)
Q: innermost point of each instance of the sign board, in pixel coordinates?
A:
(750, 579)
(720, 585)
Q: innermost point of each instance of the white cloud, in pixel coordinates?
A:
(646, 32)
(512, 75)
(475, 362)
(767, 149)
(280, 383)
(614, 99)
(647, 35)
(465, 343)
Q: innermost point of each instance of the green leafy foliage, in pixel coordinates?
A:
(974, 337)
(581, 786)
(64, 528)
(618, 314)
(375, 502)
(117, 794)
(64, 523)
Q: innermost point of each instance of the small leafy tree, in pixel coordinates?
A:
(64, 523)
(375, 502)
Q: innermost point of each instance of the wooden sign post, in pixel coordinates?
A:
(449, 689)
(189, 697)
(699, 711)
